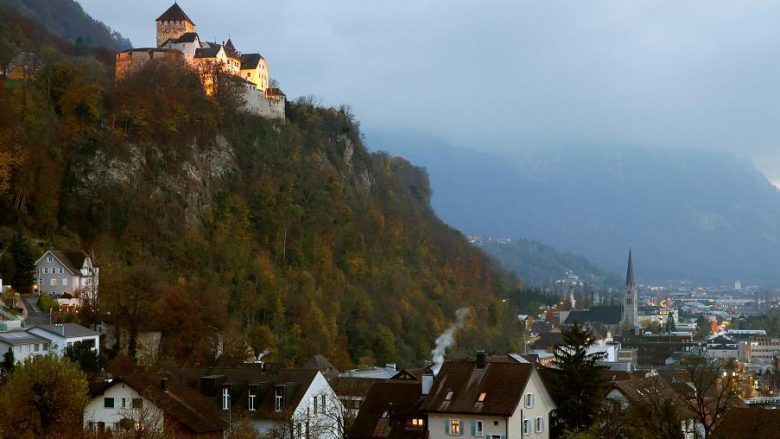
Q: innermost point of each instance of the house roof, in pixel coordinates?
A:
(548, 339)
(608, 315)
(72, 260)
(175, 13)
(295, 382)
(20, 338)
(749, 423)
(319, 362)
(177, 400)
(457, 387)
(207, 52)
(652, 389)
(188, 37)
(250, 60)
(387, 410)
(71, 330)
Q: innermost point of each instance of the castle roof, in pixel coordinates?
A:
(188, 37)
(174, 13)
(207, 52)
(250, 60)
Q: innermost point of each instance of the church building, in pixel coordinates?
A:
(630, 301)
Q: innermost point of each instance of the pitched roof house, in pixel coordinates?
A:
(287, 402)
(391, 409)
(155, 402)
(63, 335)
(71, 272)
(495, 397)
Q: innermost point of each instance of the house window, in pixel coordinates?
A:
(62, 270)
(50, 259)
(137, 402)
(315, 404)
(225, 398)
(482, 397)
(124, 402)
(529, 400)
(278, 399)
(539, 424)
(108, 403)
(64, 281)
(322, 404)
(53, 282)
(252, 398)
(418, 422)
(45, 271)
(526, 426)
(36, 347)
(479, 428)
(455, 427)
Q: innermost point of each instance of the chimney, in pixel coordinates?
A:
(163, 384)
(481, 359)
(427, 380)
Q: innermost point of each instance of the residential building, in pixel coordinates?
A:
(286, 403)
(67, 272)
(653, 350)
(23, 344)
(492, 397)
(157, 403)
(63, 335)
(392, 409)
(762, 350)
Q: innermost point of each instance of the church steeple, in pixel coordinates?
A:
(631, 301)
(630, 282)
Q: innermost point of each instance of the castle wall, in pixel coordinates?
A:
(255, 102)
(130, 61)
(172, 29)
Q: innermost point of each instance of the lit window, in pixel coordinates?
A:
(449, 396)
(529, 400)
(418, 422)
(455, 426)
(225, 398)
(278, 399)
(526, 426)
(539, 424)
(479, 429)
(482, 397)
(53, 282)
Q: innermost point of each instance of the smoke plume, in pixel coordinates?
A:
(447, 339)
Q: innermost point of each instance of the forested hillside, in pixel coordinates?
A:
(216, 227)
(66, 19)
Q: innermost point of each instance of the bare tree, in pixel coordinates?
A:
(713, 392)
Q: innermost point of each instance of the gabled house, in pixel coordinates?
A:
(63, 335)
(286, 403)
(70, 272)
(391, 409)
(491, 397)
(23, 344)
(157, 403)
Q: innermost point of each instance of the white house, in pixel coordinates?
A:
(72, 272)
(158, 403)
(490, 397)
(60, 336)
(23, 344)
(289, 403)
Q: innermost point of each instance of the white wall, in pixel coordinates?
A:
(22, 352)
(95, 411)
(257, 103)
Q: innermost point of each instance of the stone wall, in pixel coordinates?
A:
(172, 29)
(131, 60)
(256, 102)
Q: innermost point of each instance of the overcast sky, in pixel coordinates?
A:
(505, 74)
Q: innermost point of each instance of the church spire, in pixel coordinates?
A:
(630, 282)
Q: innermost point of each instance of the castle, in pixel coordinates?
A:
(178, 40)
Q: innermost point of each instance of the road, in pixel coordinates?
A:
(34, 314)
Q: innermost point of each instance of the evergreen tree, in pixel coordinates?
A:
(578, 384)
(670, 325)
(8, 361)
(23, 262)
(82, 354)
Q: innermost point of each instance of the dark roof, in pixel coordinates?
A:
(68, 330)
(608, 315)
(503, 379)
(294, 381)
(230, 49)
(250, 60)
(749, 423)
(388, 409)
(174, 13)
(630, 282)
(20, 338)
(273, 91)
(319, 362)
(207, 52)
(178, 400)
(652, 389)
(548, 340)
(188, 37)
(73, 260)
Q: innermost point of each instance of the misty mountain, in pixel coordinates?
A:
(690, 214)
(539, 265)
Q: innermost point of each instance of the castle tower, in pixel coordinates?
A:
(630, 301)
(173, 23)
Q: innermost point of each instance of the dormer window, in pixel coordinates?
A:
(225, 398)
(482, 397)
(278, 399)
